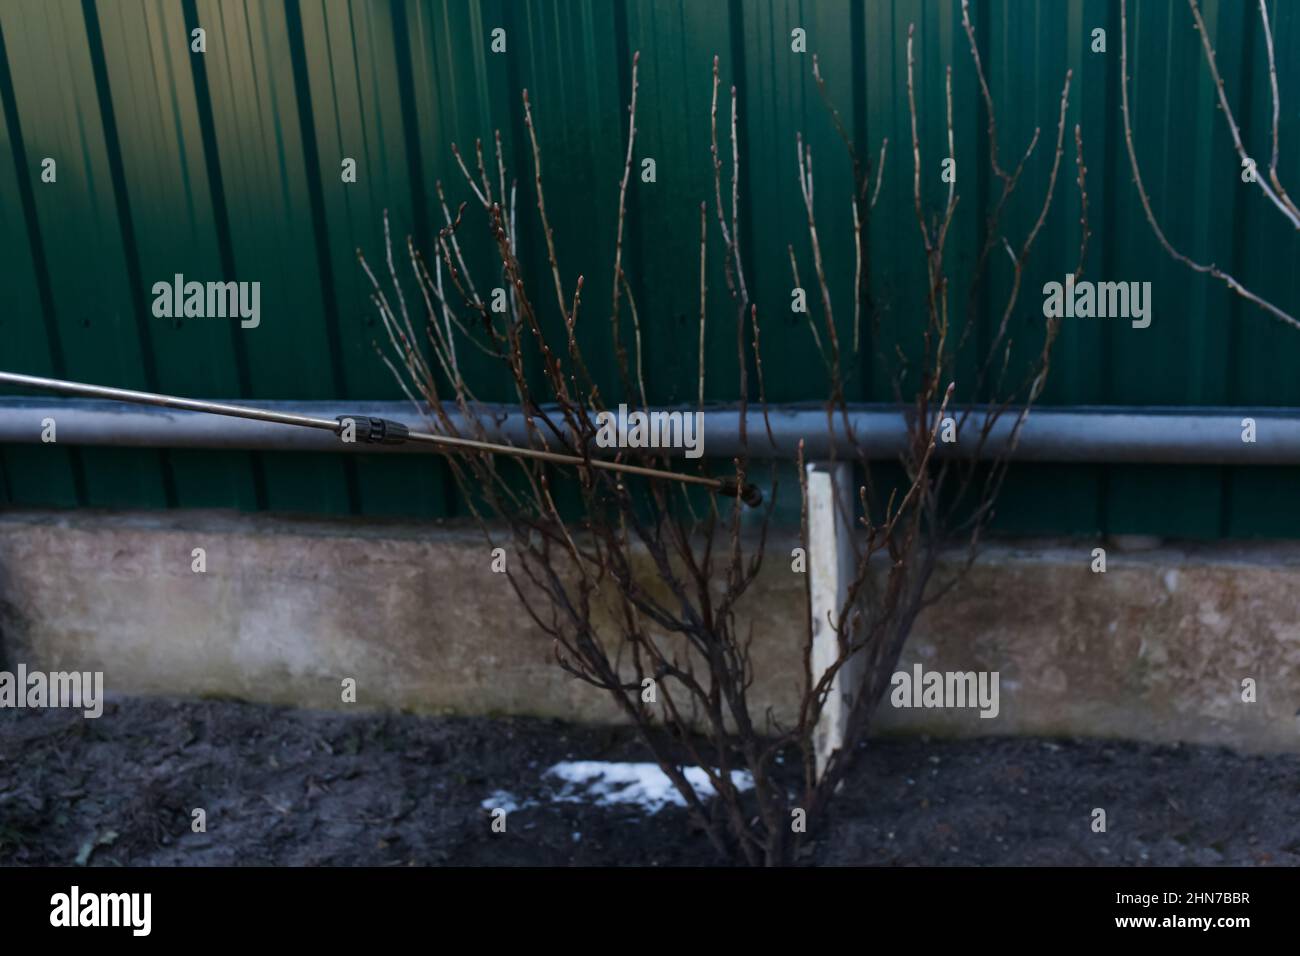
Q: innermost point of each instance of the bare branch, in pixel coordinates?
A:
(1209, 269)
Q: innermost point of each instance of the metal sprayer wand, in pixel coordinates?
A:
(375, 431)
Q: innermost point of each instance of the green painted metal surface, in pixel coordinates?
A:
(226, 165)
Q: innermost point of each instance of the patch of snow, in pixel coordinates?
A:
(606, 783)
(504, 800)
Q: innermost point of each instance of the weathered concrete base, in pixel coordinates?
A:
(1155, 648)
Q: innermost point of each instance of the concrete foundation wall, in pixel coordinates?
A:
(1155, 648)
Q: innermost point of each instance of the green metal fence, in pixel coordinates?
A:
(226, 165)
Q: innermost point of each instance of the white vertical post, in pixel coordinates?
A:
(831, 563)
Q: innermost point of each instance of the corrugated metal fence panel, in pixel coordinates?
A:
(226, 165)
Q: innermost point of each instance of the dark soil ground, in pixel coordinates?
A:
(290, 787)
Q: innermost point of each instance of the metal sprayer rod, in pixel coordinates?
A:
(166, 401)
(370, 430)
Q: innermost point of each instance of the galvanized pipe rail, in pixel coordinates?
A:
(1104, 434)
(364, 430)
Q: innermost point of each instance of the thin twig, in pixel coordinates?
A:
(1209, 269)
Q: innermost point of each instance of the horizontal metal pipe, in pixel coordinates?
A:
(1101, 434)
(367, 430)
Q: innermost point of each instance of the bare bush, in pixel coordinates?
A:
(640, 585)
